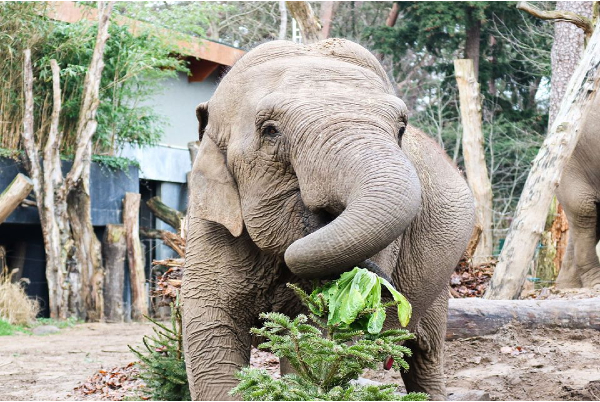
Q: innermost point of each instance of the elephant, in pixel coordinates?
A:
(305, 169)
(579, 194)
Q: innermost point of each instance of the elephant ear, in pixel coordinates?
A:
(214, 193)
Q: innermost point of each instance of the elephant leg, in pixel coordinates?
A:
(426, 373)
(568, 277)
(216, 348)
(224, 286)
(583, 238)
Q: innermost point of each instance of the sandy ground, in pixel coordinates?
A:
(48, 367)
(515, 364)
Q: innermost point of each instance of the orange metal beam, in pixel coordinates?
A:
(70, 11)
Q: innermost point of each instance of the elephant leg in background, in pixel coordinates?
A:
(426, 373)
(581, 266)
(223, 282)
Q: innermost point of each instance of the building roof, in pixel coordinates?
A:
(70, 11)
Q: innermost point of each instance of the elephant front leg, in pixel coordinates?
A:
(426, 373)
(216, 348)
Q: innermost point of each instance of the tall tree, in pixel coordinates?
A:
(567, 49)
(543, 178)
(73, 261)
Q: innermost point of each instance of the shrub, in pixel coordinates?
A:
(346, 338)
(162, 363)
(15, 307)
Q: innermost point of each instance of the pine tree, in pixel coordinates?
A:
(346, 338)
(162, 363)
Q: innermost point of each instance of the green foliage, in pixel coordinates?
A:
(68, 323)
(162, 361)
(327, 364)
(7, 328)
(115, 163)
(134, 67)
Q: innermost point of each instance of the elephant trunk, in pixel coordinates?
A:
(381, 194)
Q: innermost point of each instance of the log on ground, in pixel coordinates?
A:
(471, 317)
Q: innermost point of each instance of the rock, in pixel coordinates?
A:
(45, 330)
(476, 360)
(469, 395)
(506, 349)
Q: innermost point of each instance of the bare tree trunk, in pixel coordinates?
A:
(135, 257)
(114, 251)
(474, 154)
(11, 197)
(393, 15)
(326, 15)
(309, 24)
(566, 52)
(528, 223)
(73, 265)
(473, 43)
(283, 20)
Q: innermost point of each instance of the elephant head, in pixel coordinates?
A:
(301, 146)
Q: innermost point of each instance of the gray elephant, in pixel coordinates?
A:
(579, 194)
(306, 169)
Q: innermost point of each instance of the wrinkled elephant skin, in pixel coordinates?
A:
(307, 168)
(579, 194)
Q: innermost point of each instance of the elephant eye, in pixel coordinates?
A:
(270, 131)
(401, 133)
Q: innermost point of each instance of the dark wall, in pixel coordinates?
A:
(107, 189)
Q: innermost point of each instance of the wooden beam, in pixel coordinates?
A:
(201, 69)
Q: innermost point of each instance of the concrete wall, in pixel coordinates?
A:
(177, 104)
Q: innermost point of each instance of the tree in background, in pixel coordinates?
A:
(73, 259)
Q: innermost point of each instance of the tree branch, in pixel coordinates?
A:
(31, 149)
(86, 127)
(559, 16)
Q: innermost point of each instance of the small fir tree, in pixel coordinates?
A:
(162, 363)
(346, 338)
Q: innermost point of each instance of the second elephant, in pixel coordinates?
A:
(579, 194)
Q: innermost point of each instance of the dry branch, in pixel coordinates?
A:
(559, 16)
(544, 176)
(14, 194)
(476, 317)
(165, 213)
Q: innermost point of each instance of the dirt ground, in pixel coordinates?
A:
(514, 364)
(49, 367)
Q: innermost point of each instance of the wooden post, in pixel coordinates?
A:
(12, 196)
(135, 257)
(474, 154)
(114, 251)
(165, 213)
(544, 176)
